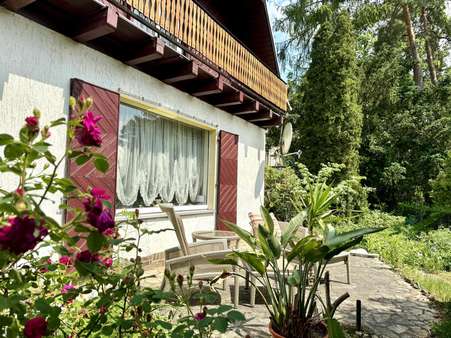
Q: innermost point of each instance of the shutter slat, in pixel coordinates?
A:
(106, 104)
(228, 175)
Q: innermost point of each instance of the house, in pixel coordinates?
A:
(186, 88)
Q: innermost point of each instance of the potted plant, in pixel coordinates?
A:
(291, 267)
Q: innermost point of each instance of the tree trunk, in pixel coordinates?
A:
(427, 45)
(417, 72)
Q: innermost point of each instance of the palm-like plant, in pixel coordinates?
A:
(292, 299)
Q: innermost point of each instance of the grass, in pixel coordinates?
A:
(439, 287)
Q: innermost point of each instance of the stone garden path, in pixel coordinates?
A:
(391, 307)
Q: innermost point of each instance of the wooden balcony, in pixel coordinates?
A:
(189, 23)
(175, 41)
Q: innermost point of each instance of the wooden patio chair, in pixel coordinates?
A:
(181, 258)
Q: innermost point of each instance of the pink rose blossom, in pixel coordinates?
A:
(89, 134)
(108, 262)
(67, 288)
(32, 122)
(96, 214)
(35, 327)
(65, 260)
(22, 234)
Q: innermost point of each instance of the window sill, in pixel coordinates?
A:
(151, 214)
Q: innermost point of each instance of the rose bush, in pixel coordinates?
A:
(67, 280)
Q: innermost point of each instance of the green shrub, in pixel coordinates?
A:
(287, 188)
(400, 245)
(282, 188)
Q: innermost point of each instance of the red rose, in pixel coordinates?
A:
(21, 235)
(108, 262)
(87, 257)
(32, 122)
(35, 328)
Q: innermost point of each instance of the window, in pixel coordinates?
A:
(160, 160)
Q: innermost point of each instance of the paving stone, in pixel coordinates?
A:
(390, 306)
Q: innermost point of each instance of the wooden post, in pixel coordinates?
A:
(358, 318)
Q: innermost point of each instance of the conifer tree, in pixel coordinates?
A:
(330, 117)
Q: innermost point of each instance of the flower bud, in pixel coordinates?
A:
(45, 132)
(36, 113)
(180, 281)
(21, 206)
(72, 102)
(88, 102)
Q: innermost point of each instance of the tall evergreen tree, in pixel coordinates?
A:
(330, 118)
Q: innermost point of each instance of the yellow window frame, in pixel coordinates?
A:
(172, 115)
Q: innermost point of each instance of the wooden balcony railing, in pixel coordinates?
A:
(190, 24)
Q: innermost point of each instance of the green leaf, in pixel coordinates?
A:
(223, 261)
(292, 227)
(309, 249)
(14, 150)
(43, 306)
(268, 221)
(295, 278)
(82, 159)
(101, 164)
(96, 241)
(163, 324)
(334, 328)
(263, 236)
(5, 139)
(335, 240)
(220, 324)
(58, 122)
(251, 259)
(235, 316)
(243, 234)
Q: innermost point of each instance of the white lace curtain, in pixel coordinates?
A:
(158, 158)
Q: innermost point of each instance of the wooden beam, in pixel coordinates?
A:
(101, 24)
(177, 73)
(228, 100)
(149, 52)
(261, 116)
(208, 87)
(16, 5)
(275, 121)
(245, 108)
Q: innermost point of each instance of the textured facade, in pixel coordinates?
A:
(36, 66)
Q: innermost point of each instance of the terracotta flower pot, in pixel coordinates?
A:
(274, 334)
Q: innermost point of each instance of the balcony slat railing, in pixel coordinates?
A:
(189, 23)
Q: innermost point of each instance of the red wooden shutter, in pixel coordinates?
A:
(227, 178)
(106, 104)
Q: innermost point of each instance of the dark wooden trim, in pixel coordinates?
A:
(261, 116)
(229, 100)
(16, 5)
(150, 52)
(245, 108)
(105, 22)
(208, 87)
(276, 120)
(186, 71)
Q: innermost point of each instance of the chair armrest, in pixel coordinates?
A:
(198, 247)
(203, 256)
(202, 267)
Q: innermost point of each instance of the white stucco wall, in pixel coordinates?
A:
(36, 65)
